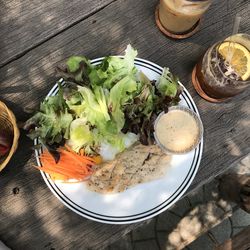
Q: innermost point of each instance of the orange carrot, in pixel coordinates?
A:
(67, 175)
(75, 156)
(70, 166)
(73, 152)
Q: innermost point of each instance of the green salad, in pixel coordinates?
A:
(103, 108)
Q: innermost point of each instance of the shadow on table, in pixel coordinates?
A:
(178, 227)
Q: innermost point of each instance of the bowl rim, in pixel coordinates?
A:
(199, 123)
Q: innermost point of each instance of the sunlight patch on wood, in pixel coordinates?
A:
(233, 148)
(194, 224)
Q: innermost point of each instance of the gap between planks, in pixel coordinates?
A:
(21, 54)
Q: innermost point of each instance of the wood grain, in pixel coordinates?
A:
(34, 217)
(26, 24)
(240, 241)
(234, 184)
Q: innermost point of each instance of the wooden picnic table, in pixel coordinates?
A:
(37, 35)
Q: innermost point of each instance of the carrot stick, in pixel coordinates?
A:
(66, 168)
(76, 157)
(53, 171)
(70, 166)
(73, 152)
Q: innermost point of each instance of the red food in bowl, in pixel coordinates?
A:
(5, 143)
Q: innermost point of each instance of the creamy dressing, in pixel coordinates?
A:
(177, 131)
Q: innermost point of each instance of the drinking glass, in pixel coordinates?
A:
(213, 76)
(180, 17)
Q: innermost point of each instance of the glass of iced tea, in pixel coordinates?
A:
(180, 18)
(224, 70)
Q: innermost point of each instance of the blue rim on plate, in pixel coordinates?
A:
(183, 186)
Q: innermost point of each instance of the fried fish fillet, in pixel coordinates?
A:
(137, 164)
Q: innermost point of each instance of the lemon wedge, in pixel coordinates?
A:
(238, 56)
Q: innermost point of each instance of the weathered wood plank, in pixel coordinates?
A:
(26, 24)
(240, 241)
(234, 184)
(34, 214)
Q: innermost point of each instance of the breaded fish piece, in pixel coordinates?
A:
(137, 164)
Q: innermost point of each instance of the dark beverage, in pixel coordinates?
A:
(224, 70)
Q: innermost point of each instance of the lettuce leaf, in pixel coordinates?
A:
(77, 70)
(168, 84)
(101, 97)
(120, 94)
(52, 121)
(80, 135)
(129, 58)
(93, 108)
(107, 104)
(113, 69)
(108, 149)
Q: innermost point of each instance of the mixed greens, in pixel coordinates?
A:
(103, 108)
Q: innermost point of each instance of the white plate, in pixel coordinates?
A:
(143, 201)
